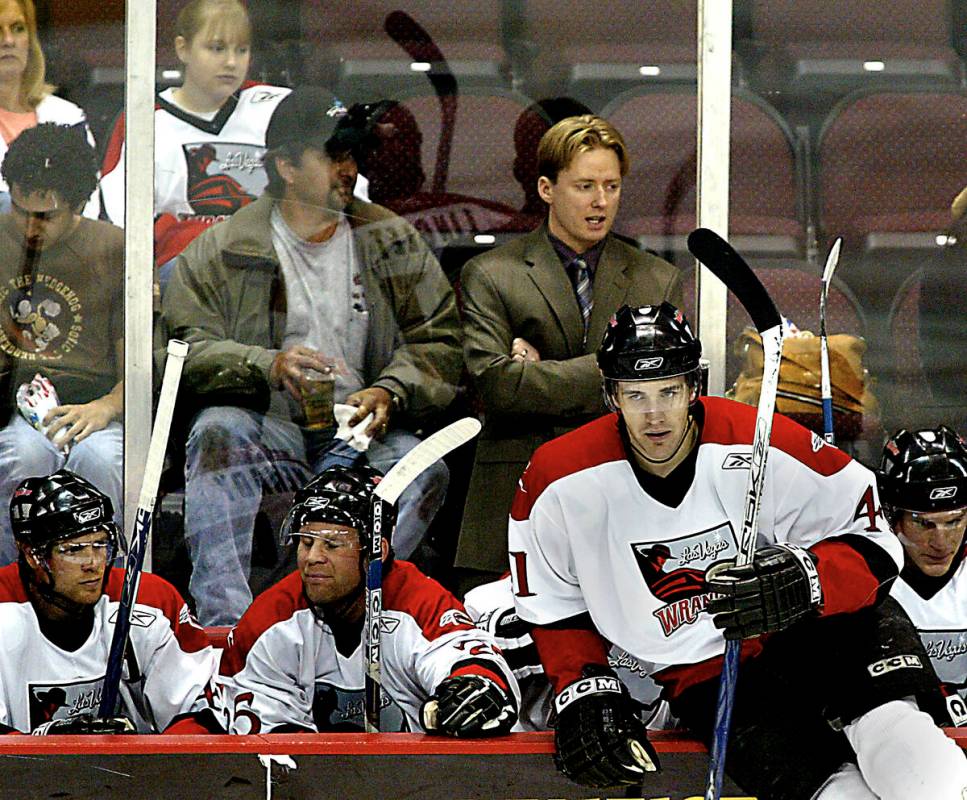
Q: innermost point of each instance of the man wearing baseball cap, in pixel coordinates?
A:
(307, 282)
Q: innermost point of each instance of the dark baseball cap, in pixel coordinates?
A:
(308, 115)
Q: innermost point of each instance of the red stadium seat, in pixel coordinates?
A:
(658, 196)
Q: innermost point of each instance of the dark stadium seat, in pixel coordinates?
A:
(805, 47)
(658, 196)
(368, 64)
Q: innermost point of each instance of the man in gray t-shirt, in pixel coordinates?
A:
(305, 282)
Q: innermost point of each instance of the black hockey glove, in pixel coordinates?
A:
(600, 740)
(85, 725)
(777, 588)
(469, 705)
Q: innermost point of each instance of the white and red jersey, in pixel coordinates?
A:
(285, 671)
(205, 169)
(173, 668)
(491, 606)
(588, 542)
(938, 609)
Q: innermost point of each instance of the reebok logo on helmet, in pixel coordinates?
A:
(943, 493)
(649, 363)
(88, 515)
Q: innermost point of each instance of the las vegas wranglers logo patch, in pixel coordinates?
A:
(674, 572)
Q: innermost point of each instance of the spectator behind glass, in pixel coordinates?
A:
(25, 99)
(533, 122)
(209, 132)
(307, 279)
(390, 159)
(528, 345)
(61, 317)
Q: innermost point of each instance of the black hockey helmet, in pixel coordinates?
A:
(340, 495)
(923, 470)
(46, 510)
(646, 343)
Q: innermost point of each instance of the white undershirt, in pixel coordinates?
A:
(326, 305)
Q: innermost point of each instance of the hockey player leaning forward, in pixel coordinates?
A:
(923, 485)
(623, 531)
(296, 658)
(58, 604)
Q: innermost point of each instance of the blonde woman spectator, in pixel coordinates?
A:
(26, 99)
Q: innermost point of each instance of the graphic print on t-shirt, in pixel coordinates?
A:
(63, 700)
(223, 176)
(674, 572)
(39, 315)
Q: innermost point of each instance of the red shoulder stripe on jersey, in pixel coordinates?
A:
(730, 422)
(156, 592)
(597, 442)
(112, 155)
(565, 651)
(435, 610)
(11, 587)
(276, 604)
(854, 572)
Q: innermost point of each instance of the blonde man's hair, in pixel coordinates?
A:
(196, 16)
(574, 135)
(33, 87)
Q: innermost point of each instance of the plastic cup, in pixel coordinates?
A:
(317, 399)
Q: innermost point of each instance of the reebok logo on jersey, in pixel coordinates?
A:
(649, 363)
(737, 461)
(894, 663)
(943, 493)
(817, 442)
(600, 684)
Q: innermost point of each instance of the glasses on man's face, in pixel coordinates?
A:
(331, 542)
(43, 216)
(83, 552)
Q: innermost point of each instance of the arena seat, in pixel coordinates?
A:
(805, 47)
(658, 195)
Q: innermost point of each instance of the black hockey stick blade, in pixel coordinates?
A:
(419, 45)
(730, 268)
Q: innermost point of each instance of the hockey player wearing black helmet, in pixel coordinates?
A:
(624, 533)
(60, 602)
(296, 659)
(923, 485)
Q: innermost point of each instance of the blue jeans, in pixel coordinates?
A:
(25, 452)
(234, 456)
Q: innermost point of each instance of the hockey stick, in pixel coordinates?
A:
(826, 391)
(729, 267)
(419, 45)
(177, 350)
(388, 491)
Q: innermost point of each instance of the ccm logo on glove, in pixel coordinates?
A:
(586, 686)
(895, 662)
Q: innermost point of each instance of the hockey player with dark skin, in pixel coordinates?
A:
(59, 603)
(834, 685)
(295, 659)
(923, 486)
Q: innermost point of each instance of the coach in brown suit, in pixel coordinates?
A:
(534, 313)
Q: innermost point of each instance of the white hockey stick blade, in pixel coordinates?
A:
(431, 449)
(832, 260)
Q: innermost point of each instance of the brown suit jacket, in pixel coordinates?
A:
(522, 289)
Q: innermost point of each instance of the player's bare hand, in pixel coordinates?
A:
(288, 370)
(74, 423)
(377, 401)
(522, 350)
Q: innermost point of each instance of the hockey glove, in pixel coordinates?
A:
(469, 705)
(600, 740)
(85, 725)
(777, 588)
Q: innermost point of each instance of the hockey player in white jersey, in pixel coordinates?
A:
(58, 605)
(296, 658)
(923, 486)
(623, 532)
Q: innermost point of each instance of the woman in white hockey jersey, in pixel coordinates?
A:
(624, 532)
(209, 132)
(296, 658)
(57, 611)
(923, 485)
(26, 99)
